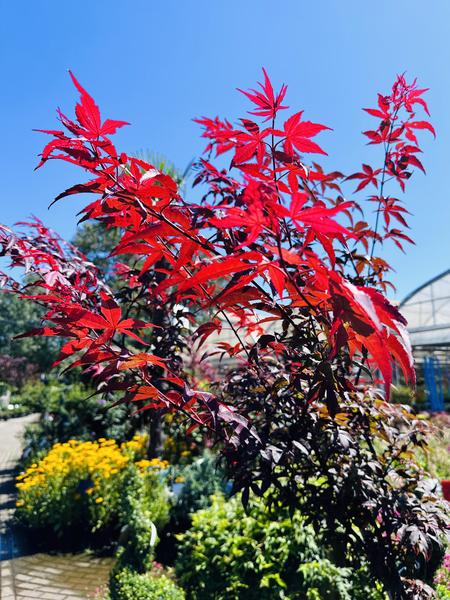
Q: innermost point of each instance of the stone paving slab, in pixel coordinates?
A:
(28, 576)
(64, 577)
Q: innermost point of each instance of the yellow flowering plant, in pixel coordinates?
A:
(77, 486)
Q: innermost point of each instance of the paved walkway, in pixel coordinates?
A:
(28, 576)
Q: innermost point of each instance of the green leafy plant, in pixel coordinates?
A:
(68, 411)
(31, 397)
(16, 316)
(436, 459)
(144, 510)
(230, 554)
(198, 481)
(322, 580)
(356, 476)
(128, 584)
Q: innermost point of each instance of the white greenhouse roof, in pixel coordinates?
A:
(427, 310)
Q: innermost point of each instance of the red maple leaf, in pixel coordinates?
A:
(250, 142)
(368, 175)
(88, 115)
(268, 104)
(298, 134)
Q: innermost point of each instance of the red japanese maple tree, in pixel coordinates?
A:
(273, 251)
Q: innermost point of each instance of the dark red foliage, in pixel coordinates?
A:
(16, 371)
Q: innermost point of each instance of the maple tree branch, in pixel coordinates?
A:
(382, 184)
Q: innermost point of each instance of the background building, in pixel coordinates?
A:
(427, 310)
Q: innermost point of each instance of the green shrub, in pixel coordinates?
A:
(442, 592)
(144, 510)
(67, 412)
(402, 394)
(199, 480)
(22, 401)
(13, 409)
(322, 580)
(128, 584)
(438, 458)
(229, 555)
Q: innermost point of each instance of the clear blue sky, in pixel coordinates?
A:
(158, 64)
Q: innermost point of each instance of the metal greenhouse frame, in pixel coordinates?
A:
(427, 310)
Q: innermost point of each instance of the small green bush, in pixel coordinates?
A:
(231, 555)
(402, 394)
(144, 510)
(442, 592)
(128, 584)
(324, 581)
(12, 410)
(23, 401)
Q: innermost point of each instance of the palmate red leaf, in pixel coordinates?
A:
(367, 175)
(277, 277)
(140, 360)
(91, 187)
(253, 220)
(250, 143)
(400, 348)
(414, 98)
(44, 331)
(266, 102)
(413, 160)
(421, 125)
(287, 256)
(374, 137)
(316, 218)
(203, 332)
(379, 327)
(319, 220)
(110, 310)
(110, 126)
(221, 133)
(297, 134)
(87, 111)
(217, 269)
(379, 356)
(72, 150)
(108, 321)
(88, 115)
(398, 342)
(377, 113)
(70, 348)
(87, 318)
(241, 293)
(143, 392)
(95, 360)
(363, 326)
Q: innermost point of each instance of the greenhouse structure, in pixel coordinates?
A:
(427, 310)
